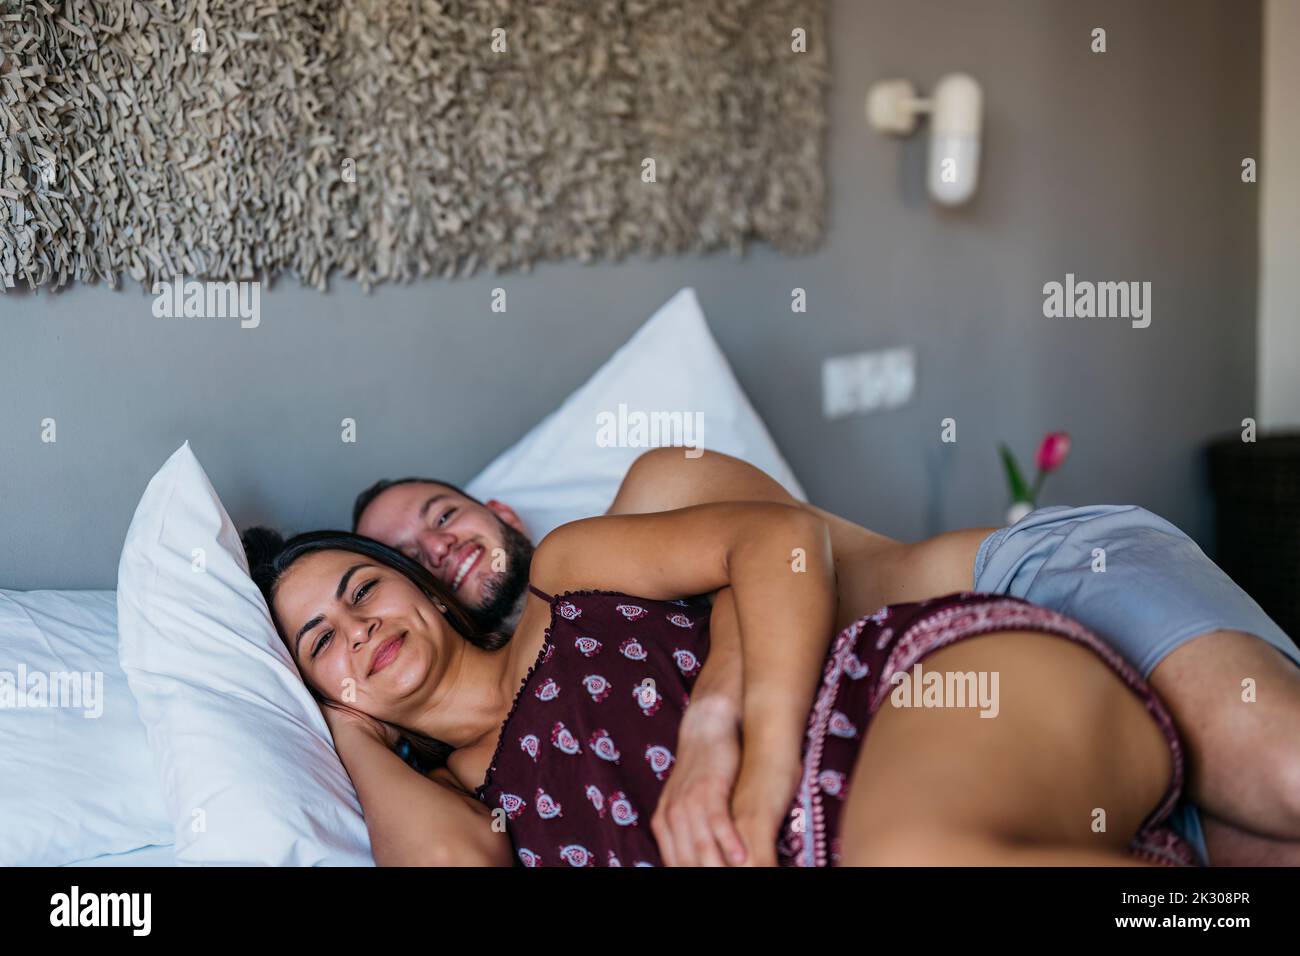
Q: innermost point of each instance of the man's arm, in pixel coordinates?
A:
(784, 617)
(692, 822)
(664, 479)
(873, 570)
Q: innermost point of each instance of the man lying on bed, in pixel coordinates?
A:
(1226, 672)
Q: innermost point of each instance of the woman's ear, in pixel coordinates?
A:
(507, 514)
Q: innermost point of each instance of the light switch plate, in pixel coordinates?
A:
(866, 381)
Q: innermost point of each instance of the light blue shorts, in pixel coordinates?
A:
(1157, 591)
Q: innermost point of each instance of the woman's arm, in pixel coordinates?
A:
(777, 560)
(413, 820)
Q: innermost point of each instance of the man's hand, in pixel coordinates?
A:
(762, 797)
(692, 822)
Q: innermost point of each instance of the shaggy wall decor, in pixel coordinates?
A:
(396, 139)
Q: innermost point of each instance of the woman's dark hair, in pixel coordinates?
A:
(270, 556)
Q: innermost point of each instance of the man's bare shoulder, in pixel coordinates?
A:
(664, 479)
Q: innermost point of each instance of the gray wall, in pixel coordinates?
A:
(1115, 166)
(1279, 201)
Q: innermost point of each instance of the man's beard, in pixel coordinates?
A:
(503, 590)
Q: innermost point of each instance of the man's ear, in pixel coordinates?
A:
(507, 514)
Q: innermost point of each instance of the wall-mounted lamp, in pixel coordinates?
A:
(955, 113)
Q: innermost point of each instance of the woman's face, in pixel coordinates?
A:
(363, 634)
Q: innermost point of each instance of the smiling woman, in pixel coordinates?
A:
(359, 565)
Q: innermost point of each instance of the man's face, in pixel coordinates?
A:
(479, 551)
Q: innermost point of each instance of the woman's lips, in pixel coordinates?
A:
(386, 654)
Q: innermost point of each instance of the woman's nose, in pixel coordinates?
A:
(363, 628)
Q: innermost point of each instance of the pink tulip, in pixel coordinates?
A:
(1052, 452)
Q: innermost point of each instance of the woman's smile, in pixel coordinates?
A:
(386, 653)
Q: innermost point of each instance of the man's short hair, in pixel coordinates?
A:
(383, 484)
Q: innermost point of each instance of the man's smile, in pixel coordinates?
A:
(467, 559)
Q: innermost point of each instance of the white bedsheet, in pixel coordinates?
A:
(162, 855)
(77, 777)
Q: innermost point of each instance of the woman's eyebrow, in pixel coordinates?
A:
(347, 576)
(297, 638)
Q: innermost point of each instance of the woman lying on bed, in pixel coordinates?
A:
(1037, 745)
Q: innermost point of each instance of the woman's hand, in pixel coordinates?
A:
(692, 822)
(759, 805)
(341, 717)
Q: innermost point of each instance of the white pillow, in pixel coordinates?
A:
(78, 780)
(249, 771)
(559, 472)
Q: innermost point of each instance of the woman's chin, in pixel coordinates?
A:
(396, 681)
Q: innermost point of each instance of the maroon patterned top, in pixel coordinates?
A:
(590, 739)
(587, 746)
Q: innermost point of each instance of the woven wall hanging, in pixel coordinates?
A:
(396, 139)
